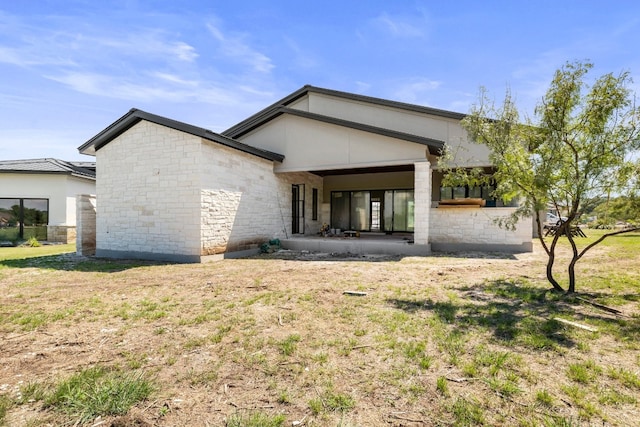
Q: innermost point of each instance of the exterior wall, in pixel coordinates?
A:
(422, 200)
(430, 126)
(455, 229)
(244, 204)
(60, 189)
(148, 192)
(61, 233)
(310, 145)
(74, 187)
(86, 229)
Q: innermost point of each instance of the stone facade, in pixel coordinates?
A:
(454, 229)
(86, 231)
(194, 198)
(422, 199)
(244, 204)
(149, 179)
(61, 233)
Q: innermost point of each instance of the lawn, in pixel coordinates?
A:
(275, 340)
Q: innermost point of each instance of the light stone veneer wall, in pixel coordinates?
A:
(244, 204)
(454, 229)
(86, 230)
(422, 200)
(166, 194)
(148, 192)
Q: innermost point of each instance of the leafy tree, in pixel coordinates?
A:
(579, 147)
(625, 209)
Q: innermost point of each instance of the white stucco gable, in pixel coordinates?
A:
(435, 125)
(312, 145)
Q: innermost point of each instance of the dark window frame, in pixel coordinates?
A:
(314, 204)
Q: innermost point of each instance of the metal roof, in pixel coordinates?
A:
(47, 165)
(134, 116)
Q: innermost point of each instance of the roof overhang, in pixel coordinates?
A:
(134, 116)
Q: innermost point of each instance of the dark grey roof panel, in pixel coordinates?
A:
(134, 116)
(48, 165)
(250, 123)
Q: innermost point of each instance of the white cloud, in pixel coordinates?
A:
(414, 90)
(173, 78)
(363, 87)
(235, 46)
(301, 58)
(397, 26)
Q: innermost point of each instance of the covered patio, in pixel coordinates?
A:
(366, 243)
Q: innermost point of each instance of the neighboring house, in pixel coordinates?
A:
(38, 198)
(169, 190)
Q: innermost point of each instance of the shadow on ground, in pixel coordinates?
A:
(520, 314)
(73, 262)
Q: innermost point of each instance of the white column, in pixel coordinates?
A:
(422, 199)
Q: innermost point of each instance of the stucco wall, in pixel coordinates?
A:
(60, 189)
(430, 126)
(244, 204)
(475, 229)
(311, 145)
(148, 193)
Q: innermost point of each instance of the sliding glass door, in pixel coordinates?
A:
(383, 210)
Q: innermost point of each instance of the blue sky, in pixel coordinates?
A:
(70, 68)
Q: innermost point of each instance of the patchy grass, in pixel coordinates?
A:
(442, 340)
(92, 392)
(256, 419)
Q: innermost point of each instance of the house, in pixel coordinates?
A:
(38, 198)
(169, 190)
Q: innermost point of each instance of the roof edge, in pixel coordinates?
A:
(241, 128)
(134, 116)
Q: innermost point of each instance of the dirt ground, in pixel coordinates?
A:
(213, 338)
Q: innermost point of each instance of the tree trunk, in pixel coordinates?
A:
(550, 278)
(572, 275)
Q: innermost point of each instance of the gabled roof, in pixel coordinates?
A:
(134, 116)
(46, 165)
(435, 146)
(275, 110)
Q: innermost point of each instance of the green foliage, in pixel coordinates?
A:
(288, 345)
(583, 373)
(442, 386)
(255, 419)
(33, 242)
(579, 148)
(467, 413)
(99, 391)
(332, 402)
(626, 209)
(339, 402)
(544, 398)
(5, 404)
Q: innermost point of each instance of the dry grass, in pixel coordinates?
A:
(435, 341)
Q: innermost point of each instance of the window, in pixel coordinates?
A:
(297, 209)
(484, 192)
(375, 210)
(23, 218)
(314, 204)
